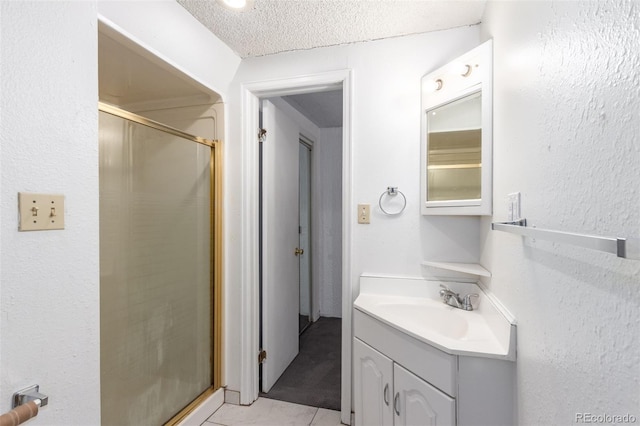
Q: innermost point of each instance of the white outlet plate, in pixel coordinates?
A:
(40, 212)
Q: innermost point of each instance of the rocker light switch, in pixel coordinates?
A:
(513, 206)
(40, 212)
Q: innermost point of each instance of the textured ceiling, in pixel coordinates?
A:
(273, 26)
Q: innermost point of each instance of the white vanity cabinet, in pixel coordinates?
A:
(388, 394)
(428, 385)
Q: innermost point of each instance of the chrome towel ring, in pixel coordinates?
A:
(392, 191)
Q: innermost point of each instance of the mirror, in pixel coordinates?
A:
(456, 154)
(454, 141)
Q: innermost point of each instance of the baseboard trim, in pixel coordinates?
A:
(204, 410)
(231, 397)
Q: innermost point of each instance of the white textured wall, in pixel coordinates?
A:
(328, 229)
(385, 150)
(49, 280)
(567, 136)
(49, 285)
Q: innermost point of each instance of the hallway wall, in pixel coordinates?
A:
(328, 173)
(567, 136)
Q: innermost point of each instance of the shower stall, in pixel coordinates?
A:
(160, 259)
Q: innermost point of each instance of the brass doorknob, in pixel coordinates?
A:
(298, 251)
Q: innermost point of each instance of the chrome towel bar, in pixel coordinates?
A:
(627, 248)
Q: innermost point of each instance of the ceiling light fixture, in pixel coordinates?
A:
(237, 5)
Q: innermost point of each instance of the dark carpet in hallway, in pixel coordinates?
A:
(313, 377)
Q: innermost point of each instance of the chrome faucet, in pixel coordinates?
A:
(453, 299)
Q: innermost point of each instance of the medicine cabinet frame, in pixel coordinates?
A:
(463, 77)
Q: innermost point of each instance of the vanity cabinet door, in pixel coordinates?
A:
(373, 386)
(417, 403)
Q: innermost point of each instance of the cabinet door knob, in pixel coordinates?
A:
(396, 404)
(385, 395)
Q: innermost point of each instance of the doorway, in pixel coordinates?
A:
(249, 259)
(301, 225)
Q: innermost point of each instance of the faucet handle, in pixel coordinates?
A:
(466, 301)
(446, 289)
(445, 292)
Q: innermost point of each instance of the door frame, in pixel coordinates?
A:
(249, 326)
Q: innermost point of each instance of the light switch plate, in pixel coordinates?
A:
(40, 212)
(364, 213)
(513, 207)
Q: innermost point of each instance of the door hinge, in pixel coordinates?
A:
(262, 135)
(262, 356)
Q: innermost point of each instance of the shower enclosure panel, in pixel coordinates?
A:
(156, 283)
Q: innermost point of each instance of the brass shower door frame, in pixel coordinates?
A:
(216, 246)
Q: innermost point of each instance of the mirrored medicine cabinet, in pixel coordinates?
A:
(456, 155)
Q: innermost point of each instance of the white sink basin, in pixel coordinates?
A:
(437, 319)
(413, 306)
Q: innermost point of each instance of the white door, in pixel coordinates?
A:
(280, 291)
(372, 386)
(417, 403)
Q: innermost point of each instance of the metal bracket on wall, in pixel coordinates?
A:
(32, 393)
(627, 248)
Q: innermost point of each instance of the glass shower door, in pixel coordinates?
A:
(155, 272)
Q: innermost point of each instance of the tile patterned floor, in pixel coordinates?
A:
(270, 412)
